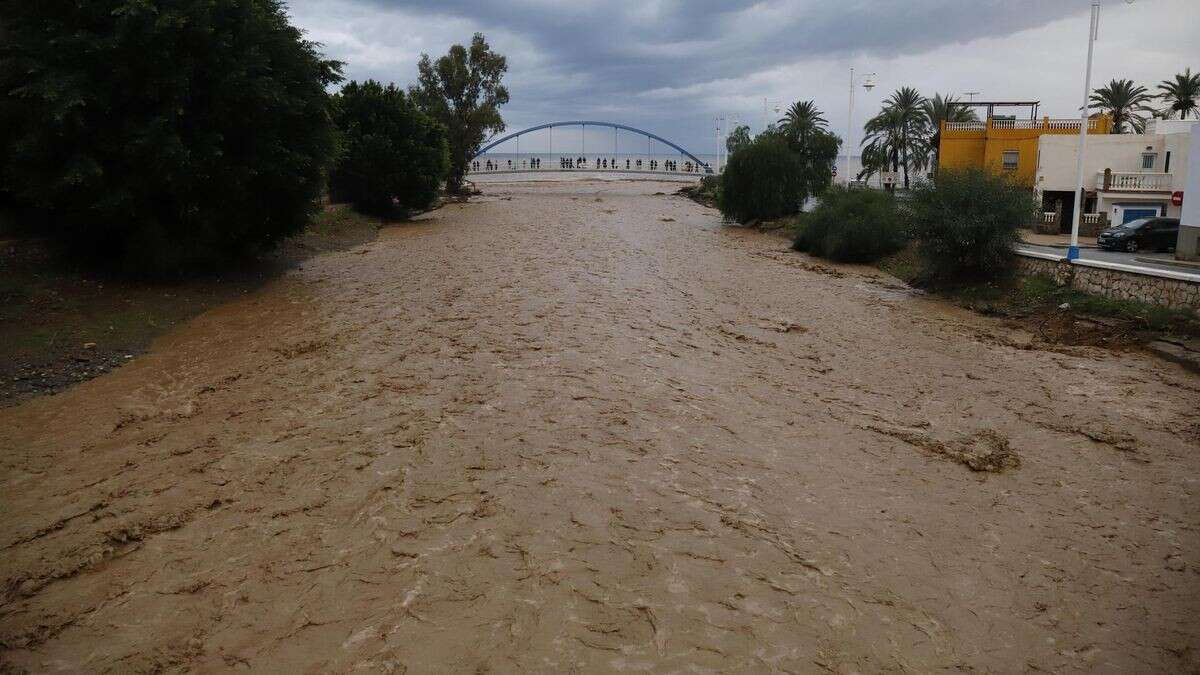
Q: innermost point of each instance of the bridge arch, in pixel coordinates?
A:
(592, 123)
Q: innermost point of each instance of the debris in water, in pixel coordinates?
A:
(985, 450)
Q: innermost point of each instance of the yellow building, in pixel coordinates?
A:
(1006, 145)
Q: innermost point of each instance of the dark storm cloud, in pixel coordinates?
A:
(602, 58)
(636, 46)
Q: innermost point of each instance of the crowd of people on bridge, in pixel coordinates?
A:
(583, 162)
(532, 163)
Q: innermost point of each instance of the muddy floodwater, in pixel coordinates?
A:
(581, 427)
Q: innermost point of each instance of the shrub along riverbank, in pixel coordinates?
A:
(159, 140)
(953, 237)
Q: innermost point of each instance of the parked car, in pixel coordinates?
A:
(1157, 234)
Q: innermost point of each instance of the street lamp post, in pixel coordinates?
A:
(718, 121)
(1073, 250)
(1077, 212)
(768, 106)
(868, 85)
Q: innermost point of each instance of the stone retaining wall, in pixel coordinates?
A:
(1116, 284)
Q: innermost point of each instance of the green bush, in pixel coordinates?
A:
(852, 226)
(762, 181)
(966, 222)
(163, 135)
(393, 157)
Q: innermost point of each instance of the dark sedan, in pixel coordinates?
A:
(1155, 234)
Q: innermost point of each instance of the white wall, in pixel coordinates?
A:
(1191, 192)
(1179, 145)
(1119, 152)
(1057, 155)
(1170, 126)
(1189, 220)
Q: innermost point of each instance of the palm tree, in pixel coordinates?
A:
(881, 140)
(1125, 102)
(801, 118)
(944, 109)
(902, 128)
(1180, 95)
(874, 159)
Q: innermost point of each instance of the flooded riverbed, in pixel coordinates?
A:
(583, 427)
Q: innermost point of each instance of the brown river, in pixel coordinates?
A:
(581, 427)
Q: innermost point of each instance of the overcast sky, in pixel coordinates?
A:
(672, 66)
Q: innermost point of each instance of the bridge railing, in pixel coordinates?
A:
(580, 164)
(687, 163)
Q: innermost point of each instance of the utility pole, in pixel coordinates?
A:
(1076, 213)
(719, 120)
(868, 85)
(849, 127)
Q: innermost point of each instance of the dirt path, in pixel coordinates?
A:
(579, 427)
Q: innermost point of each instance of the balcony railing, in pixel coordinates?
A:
(1020, 124)
(1134, 181)
(1098, 125)
(1090, 218)
(965, 126)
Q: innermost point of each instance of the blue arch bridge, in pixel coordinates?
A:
(657, 157)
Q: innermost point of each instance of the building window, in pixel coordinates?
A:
(1167, 163)
(1010, 160)
(1148, 160)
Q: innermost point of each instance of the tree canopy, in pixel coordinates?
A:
(165, 135)
(462, 90)
(1126, 102)
(738, 139)
(781, 168)
(943, 109)
(393, 157)
(802, 117)
(901, 130)
(1180, 94)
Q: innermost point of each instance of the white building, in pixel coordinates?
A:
(1126, 176)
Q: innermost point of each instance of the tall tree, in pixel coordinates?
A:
(163, 135)
(874, 160)
(738, 139)
(393, 157)
(1180, 95)
(1125, 102)
(902, 128)
(801, 118)
(805, 129)
(462, 90)
(944, 109)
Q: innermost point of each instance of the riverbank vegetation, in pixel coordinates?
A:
(140, 144)
(462, 90)
(137, 141)
(393, 157)
(852, 226)
(774, 174)
(966, 223)
(1054, 312)
(162, 158)
(764, 180)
